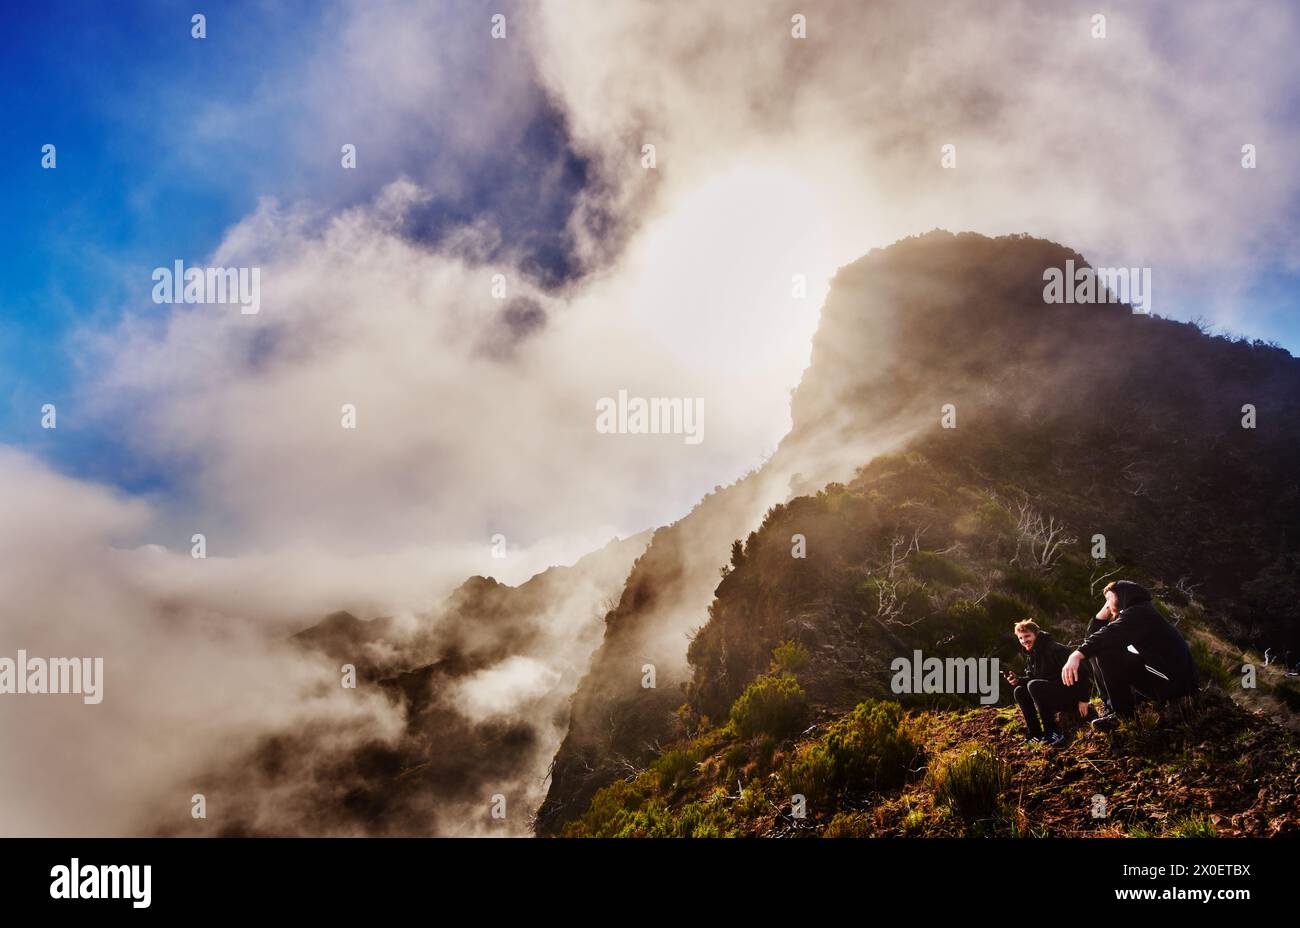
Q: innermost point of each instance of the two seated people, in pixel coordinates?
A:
(1135, 652)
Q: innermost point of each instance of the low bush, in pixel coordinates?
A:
(970, 783)
(775, 706)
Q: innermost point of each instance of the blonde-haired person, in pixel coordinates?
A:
(1040, 693)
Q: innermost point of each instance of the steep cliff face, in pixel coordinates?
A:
(616, 717)
(1119, 424)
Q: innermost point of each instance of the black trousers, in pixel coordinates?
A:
(1124, 676)
(1042, 699)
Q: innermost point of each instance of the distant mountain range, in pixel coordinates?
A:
(481, 684)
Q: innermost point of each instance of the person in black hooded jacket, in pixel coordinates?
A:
(1039, 692)
(1136, 650)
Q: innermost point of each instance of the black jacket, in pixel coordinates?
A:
(1045, 663)
(1139, 624)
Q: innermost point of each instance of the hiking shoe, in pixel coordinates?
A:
(1054, 740)
(1108, 722)
(1035, 739)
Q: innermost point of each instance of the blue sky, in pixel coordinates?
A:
(164, 142)
(105, 86)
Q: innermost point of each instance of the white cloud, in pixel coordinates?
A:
(1126, 148)
(182, 685)
(775, 157)
(506, 688)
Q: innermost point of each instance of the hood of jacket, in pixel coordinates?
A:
(1127, 593)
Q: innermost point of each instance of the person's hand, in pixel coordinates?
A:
(1104, 614)
(1083, 710)
(1070, 672)
(1012, 678)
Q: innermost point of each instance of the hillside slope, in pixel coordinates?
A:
(1083, 420)
(1214, 771)
(793, 693)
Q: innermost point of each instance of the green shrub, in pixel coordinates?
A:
(789, 657)
(1032, 588)
(1194, 826)
(621, 810)
(970, 783)
(672, 768)
(613, 809)
(927, 565)
(1210, 667)
(849, 825)
(994, 527)
(969, 628)
(870, 749)
(811, 772)
(775, 706)
(735, 756)
(1004, 610)
(708, 819)
(913, 823)
(965, 612)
